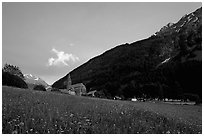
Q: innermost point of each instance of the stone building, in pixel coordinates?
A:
(76, 89)
(48, 88)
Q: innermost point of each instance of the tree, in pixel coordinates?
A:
(39, 87)
(13, 80)
(13, 70)
(55, 90)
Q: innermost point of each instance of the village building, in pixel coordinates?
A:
(134, 99)
(48, 88)
(75, 89)
(117, 98)
(91, 93)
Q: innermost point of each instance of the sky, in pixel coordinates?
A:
(49, 40)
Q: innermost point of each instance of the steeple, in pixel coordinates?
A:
(69, 82)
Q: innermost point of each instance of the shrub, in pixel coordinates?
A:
(39, 87)
(100, 94)
(55, 90)
(192, 97)
(13, 80)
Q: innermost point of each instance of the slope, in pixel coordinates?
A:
(159, 66)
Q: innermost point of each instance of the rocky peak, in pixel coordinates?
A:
(190, 21)
(31, 79)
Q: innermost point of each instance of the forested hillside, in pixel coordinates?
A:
(166, 65)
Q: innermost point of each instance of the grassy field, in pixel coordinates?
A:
(27, 111)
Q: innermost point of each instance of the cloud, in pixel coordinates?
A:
(62, 58)
(71, 44)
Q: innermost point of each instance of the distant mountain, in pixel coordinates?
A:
(191, 21)
(167, 64)
(33, 80)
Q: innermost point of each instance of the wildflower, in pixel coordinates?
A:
(21, 123)
(168, 132)
(79, 123)
(15, 132)
(71, 115)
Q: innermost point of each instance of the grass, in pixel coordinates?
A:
(27, 111)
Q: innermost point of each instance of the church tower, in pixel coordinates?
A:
(69, 82)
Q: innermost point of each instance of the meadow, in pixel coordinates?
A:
(27, 111)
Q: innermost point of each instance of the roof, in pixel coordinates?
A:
(78, 84)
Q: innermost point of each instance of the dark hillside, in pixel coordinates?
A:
(167, 64)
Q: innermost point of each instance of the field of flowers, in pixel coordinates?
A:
(27, 111)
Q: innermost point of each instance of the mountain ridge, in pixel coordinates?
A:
(32, 80)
